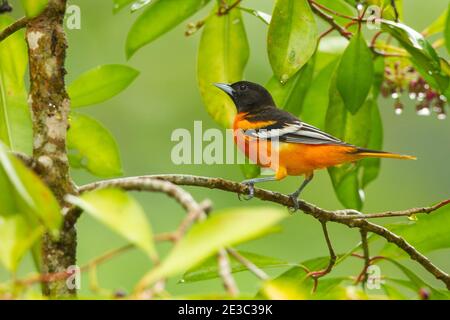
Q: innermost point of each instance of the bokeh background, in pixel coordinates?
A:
(165, 97)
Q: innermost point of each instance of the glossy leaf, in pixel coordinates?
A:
(15, 121)
(158, 18)
(100, 84)
(34, 7)
(92, 147)
(209, 268)
(16, 238)
(31, 194)
(225, 228)
(291, 95)
(355, 73)
(292, 37)
(222, 57)
(423, 55)
(121, 213)
(264, 17)
(428, 233)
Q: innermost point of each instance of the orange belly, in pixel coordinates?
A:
(292, 158)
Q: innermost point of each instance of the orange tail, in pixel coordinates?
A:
(382, 154)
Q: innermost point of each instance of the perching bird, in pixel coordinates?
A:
(301, 148)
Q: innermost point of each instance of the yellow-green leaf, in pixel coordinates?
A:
(160, 17)
(16, 238)
(222, 57)
(91, 146)
(292, 37)
(34, 7)
(121, 213)
(100, 84)
(225, 228)
(32, 194)
(15, 121)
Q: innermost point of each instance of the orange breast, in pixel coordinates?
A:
(295, 158)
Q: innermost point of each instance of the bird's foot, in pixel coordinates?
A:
(294, 199)
(251, 191)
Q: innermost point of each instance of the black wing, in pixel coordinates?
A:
(290, 129)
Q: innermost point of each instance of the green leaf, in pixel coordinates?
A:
(291, 95)
(225, 228)
(437, 25)
(428, 233)
(121, 213)
(447, 30)
(422, 54)
(222, 57)
(209, 268)
(32, 194)
(355, 73)
(160, 17)
(292, 37)
(264, 17)
(327, 288)
(100, 84)
(353, 129)
(416, 283)
(34, 7)
(371, 166)
(92, 147)
(15, 121)
(16, 238)
(315, 105)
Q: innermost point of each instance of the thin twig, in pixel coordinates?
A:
(225, 8)
(14, 27)
(330, 20)
(366, 256)
(333, 12)
(319, 274)
(248, 264)
(316, 212)
(225, 273)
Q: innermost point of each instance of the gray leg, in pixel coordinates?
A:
(251, 186)
(294, 196)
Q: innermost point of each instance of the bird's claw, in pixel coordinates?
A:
(251, 191)
(294, 200)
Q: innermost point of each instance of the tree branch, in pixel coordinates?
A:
(14, 27)
(136, 183)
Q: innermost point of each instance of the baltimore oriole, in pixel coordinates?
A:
(301, 148)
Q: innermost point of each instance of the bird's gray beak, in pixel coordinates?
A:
(225, 88)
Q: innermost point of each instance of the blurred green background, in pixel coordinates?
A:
(165, 97)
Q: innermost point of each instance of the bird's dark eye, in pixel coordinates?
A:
(243, 87)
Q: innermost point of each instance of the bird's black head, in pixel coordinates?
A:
(247, 96)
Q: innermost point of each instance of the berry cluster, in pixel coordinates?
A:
(405, 79)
